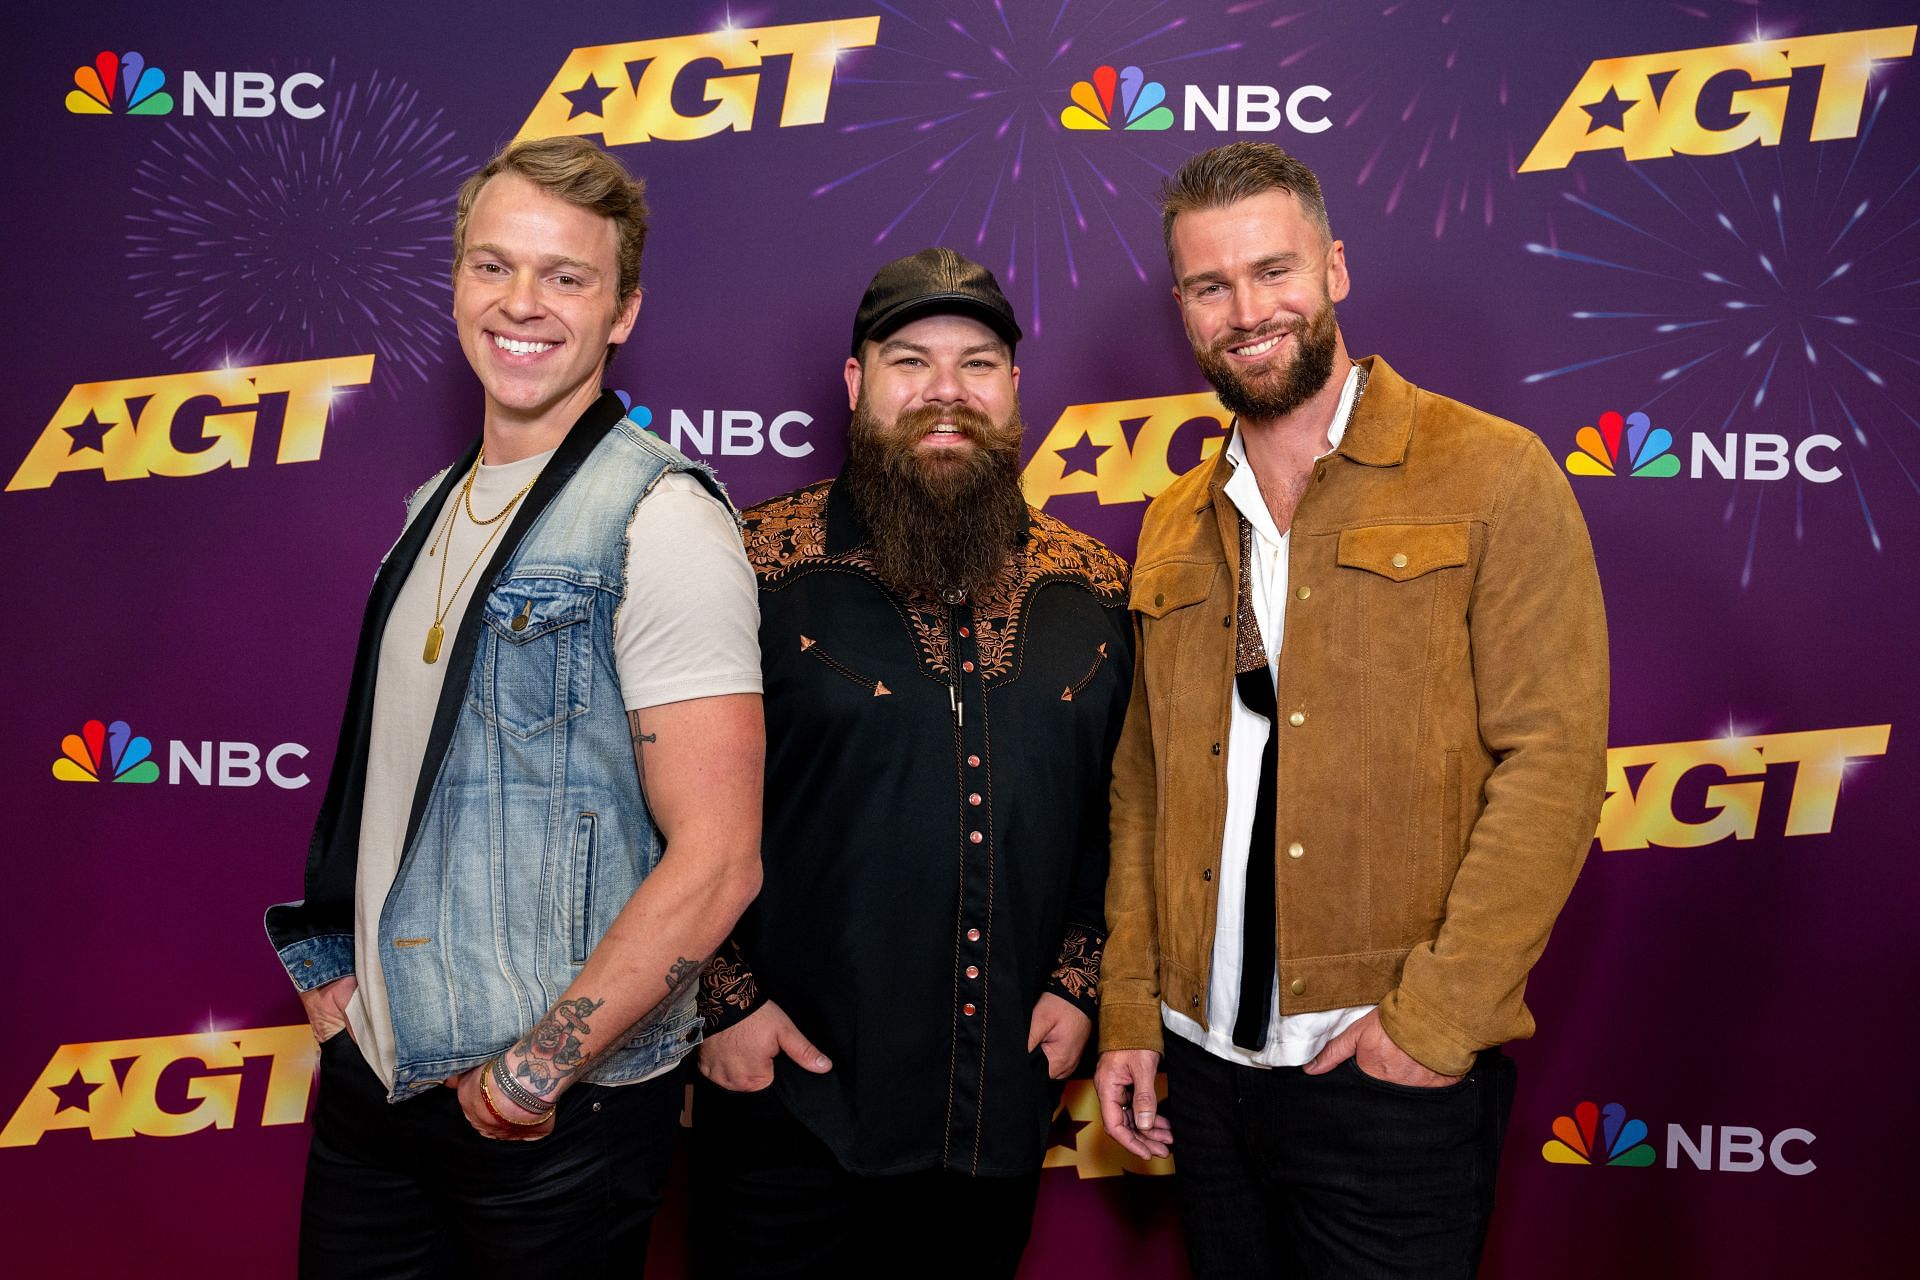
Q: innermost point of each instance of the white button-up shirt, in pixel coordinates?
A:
(1294, 1039)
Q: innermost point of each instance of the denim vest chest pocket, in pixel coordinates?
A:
(536, 659)
(1403, 595)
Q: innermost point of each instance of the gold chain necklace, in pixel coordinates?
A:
(435, 634)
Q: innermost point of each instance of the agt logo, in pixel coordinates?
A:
(1120, 451)
(1126, 99)
(1595, 1135)
(1708, 102)
(114, 753)
(129, 85)
(1633, 446)
(1643, 784)
(166, 1086)
(187, 424)
(1079, 1141)
(624, 93)
(737, 433)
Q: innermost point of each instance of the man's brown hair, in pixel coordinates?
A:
(583, 175)
(1235, 172)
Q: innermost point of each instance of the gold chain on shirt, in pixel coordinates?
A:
(435, 634)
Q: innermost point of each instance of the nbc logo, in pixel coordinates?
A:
(1649, 449)
(114, 753)
(103, 753)
(1633, 446)
(1605, 1136)
(1140, 102)
(127, 77)
(1622, 1141)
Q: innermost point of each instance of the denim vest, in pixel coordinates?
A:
(529, 830)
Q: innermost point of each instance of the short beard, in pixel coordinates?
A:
(938, 523)
(1274, 393)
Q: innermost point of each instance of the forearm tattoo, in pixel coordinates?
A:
(555, 1051)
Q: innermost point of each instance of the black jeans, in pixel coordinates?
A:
(1338, 1175)
(770, 1199)
(409, 1189)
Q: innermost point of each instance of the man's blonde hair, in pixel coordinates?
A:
(584, 176)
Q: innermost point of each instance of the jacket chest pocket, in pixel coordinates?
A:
(1403, 593)
(1170, 601)
(537, 655)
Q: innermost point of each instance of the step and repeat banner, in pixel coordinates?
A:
(1679, 240)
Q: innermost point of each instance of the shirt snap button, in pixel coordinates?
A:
(973, 798)
(975, 836)
(973, 762)
(973, 935)
(967, 1009)
(973, 971)
(966, 666)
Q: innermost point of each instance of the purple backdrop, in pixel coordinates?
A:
(232, 237)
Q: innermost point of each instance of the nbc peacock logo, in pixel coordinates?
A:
(1123, 99)
(1648, 450)
(1599, 1135)
(106, 753)
(119, 84)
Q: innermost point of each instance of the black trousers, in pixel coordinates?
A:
(409, 1189)
(1338, 1175)
(770, 1199)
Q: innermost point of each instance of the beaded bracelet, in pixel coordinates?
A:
(517, 1092)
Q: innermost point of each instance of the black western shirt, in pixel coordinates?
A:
(935, 847)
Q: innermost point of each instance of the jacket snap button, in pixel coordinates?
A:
(1296, 850)
(306, 964)
(1207, 874)
(1298, 986)
(1227, 621)
(1216, 748)
(1159, 599)
(1399, 560)
(1297, 719)
(1193, 1002)
(519, 622)
(1303, 592)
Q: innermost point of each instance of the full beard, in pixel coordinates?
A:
(940, 520)
(1267, 394)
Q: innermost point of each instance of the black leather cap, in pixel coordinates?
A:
(932, 282)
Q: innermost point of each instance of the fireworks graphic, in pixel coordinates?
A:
(1773, 289)
(284, 239)
(1440, 147)
(971, 152)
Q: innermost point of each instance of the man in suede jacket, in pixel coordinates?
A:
(1361, 767)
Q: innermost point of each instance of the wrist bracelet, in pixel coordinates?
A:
(486, 1097)
(517, 1092)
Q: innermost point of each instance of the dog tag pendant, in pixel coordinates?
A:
(432, 653)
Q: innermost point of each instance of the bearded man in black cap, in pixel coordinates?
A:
(946, 670)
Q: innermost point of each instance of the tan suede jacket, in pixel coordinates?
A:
(1443, 720)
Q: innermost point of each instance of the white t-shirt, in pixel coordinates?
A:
(688, 628)
(1296, 1038)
